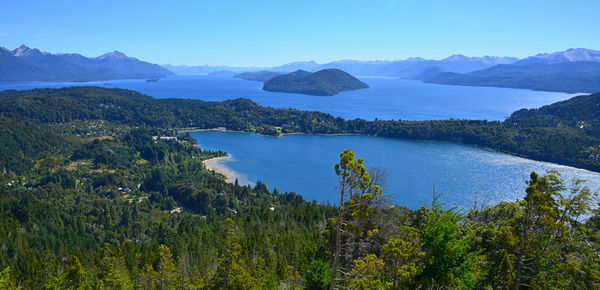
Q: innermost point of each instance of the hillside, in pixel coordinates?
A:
(572, 77)
(260, 76)
(327, 82)
(581, 112)
(22, 143)
(31, 64)
(90, 200)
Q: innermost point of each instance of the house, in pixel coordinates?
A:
(164, 138)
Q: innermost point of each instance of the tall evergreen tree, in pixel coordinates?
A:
(358, 196)
(232, 271)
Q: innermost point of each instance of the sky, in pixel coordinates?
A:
(273, 32)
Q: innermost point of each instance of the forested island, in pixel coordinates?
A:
(327, 82)
(97, 192)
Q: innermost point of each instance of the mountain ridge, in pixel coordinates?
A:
(408, 68)
(31, 64)
(570, 77)
(569, 55)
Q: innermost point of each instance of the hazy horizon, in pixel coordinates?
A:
(271, 33)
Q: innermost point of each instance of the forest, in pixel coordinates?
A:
(565, 133)
(89, 199)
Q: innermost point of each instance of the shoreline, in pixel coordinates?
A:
(215, 164)
(358, 134)
(191, 130)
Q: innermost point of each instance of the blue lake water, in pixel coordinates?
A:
(386, 99)
(464, 175)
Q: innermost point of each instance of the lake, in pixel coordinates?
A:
(386, 99)
(464, 175)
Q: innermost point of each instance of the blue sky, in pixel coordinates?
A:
(266, 33)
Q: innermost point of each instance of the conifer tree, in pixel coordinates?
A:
(167, 272)
(358, 195)
(75, 274)
(232, 272)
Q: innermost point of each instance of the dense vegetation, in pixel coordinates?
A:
(571, 138)
(104, 205)
(327, 82)
(572, 77)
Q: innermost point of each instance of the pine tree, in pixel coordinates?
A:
(358, 195)
(167, 272)
(75, 274)
(115, 274)
(232, 272)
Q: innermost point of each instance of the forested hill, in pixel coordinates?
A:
(327, 82)
(132, 108)
(582, 112)
(22, 143)
(92, 198)
(552, 142)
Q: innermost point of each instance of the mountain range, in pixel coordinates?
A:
(569, 55)
(207, 69)
(31, 64)
(403, 68)
(572, 70)
(411, 68)
(407, 68)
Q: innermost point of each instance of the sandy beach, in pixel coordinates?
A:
(215, 164)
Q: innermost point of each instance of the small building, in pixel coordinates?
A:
(155, 138)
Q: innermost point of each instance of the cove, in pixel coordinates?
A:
(466, 176)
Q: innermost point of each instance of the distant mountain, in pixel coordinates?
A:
(455, 63)
(581, 76)
(31, 64)
(261, 76)
(430, 72)
(327, 82)
(570, 55)
(206, 69)
(300, 65)
(14, 68)
(222, 72)
(408, 68)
